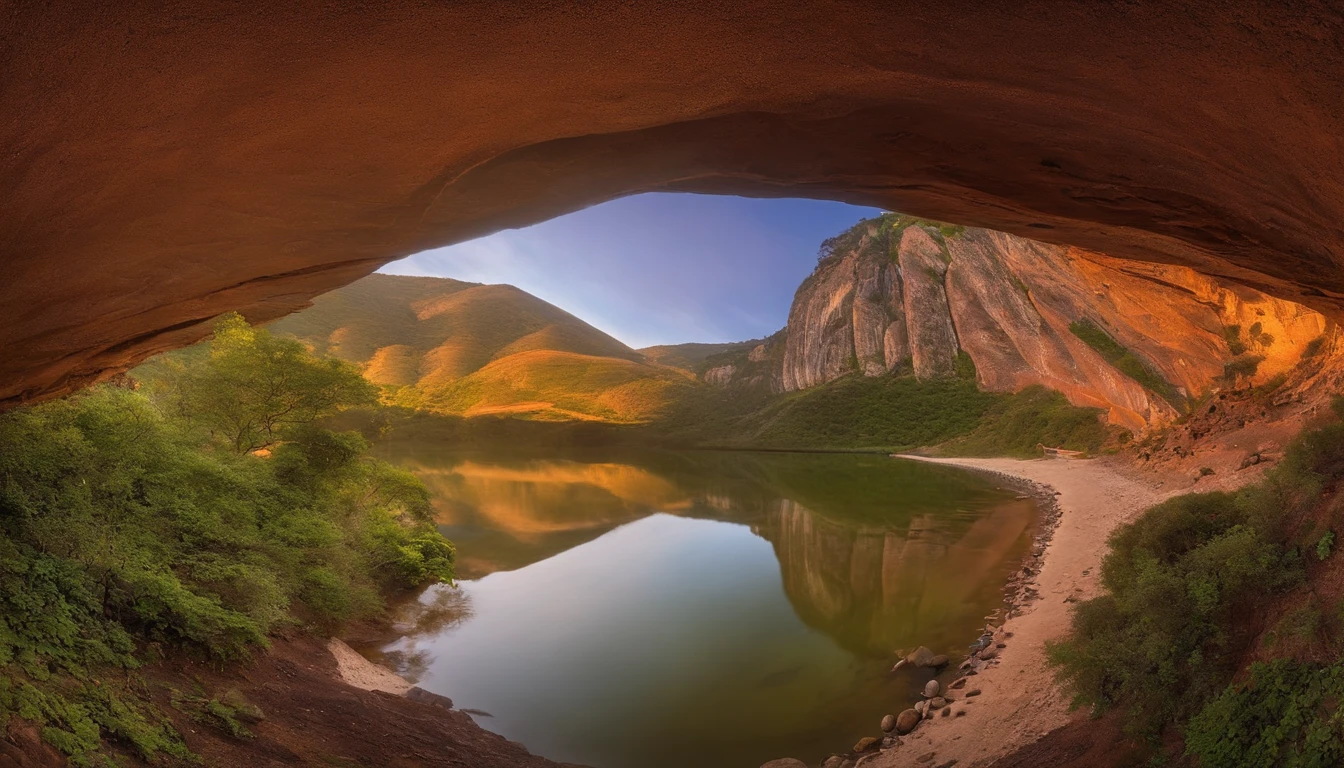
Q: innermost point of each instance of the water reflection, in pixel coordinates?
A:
(708, 608)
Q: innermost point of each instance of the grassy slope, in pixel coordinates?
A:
(465, 348)
(694, 356)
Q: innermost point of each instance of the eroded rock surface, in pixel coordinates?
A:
(932, 292)
(162, 163)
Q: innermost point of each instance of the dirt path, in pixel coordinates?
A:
(1019, 701)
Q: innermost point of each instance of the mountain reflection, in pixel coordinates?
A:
(876, 553)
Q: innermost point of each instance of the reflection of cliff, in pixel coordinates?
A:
(507, 516)
(877, 590)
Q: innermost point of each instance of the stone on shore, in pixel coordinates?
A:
(837, 761)
(921, 657)
(937, 702)
(931, 689)
(864, 744)
(906, 721)
(888, 723)
(939, 661)
(785, 762)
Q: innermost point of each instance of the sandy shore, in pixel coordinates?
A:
(1019, 700)
(362, 673)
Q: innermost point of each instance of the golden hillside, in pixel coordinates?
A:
(465, 348)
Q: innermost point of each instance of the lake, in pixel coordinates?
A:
(707, 608)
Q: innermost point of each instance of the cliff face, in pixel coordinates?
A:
(899, 296)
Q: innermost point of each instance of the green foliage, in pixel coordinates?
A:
(253, 387)
(964, 366)
(873, 412)
(1287, 715)
(1017, 425)
(1182, 580)
(1125, 361)
(1325, 545)
(123, 523)
(1161, 641)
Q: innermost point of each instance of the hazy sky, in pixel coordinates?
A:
(658, 268)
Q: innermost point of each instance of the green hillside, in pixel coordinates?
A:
(464, 348)
(694, 356)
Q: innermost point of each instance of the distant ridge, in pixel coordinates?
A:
(465, 348)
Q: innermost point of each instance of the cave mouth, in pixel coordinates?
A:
(171, 167)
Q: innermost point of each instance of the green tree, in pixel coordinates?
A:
(253, 389)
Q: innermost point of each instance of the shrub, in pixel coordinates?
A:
(122, 522)
(1162, 640)
(1287, 715)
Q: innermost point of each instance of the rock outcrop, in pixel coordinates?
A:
(161, 163)
(898, 295)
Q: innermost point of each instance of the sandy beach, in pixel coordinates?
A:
(1019, 700)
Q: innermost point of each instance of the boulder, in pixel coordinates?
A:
(888, 723)
(989, 653)
(931, 689)
(863, 745)
(938, 661)
(906, 721)
(921, 657)
(937, 702)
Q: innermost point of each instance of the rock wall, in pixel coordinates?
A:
(165, 162)
(898, 295)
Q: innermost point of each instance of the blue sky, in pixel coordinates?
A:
(658, 268)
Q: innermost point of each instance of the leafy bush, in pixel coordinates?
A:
(123, 522)
(1184, 583)
(1125, 361)
(1287, 715)
(1161, 641)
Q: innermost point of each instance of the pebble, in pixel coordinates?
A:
(931, 689)
(888, 723)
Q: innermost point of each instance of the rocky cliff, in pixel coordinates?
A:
(903, 296)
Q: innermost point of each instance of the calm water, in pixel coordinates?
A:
(703, 608)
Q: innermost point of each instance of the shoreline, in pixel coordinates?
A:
(1019, 701)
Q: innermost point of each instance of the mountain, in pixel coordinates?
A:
(464, 348)
(900, 296)
(693, 355)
